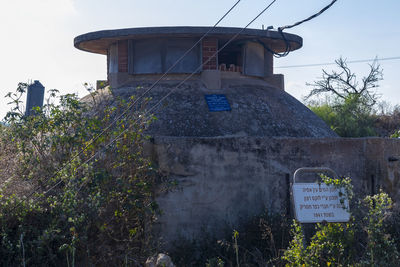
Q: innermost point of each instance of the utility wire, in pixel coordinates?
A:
(120, 116)
(171, 91)
(332, 63)
(281, 29)
(153, 85)
(309, 18)
(208, 60)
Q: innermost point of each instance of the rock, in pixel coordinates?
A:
(151, 262)
(162, 260)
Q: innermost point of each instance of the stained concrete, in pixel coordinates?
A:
(232, 165)
(257, 109)
(223, 181)
(99, 41)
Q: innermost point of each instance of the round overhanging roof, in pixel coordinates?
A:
(99, 42)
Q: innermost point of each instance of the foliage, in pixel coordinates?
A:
(90, 195)
(257, 242)
(396, 134)
(215, 262)
(343, 185)
(350, 109)
(363, 241)
(348, 117)
(344, 83)
(263, 241)
(387, 120)
(381, 250)
(296, 255)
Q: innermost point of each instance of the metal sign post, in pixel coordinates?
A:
(318, 202)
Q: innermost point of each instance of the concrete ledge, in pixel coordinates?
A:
(277, 80)
(211, 79)
(99, 41)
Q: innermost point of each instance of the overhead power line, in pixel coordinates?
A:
(169, 93)
(333, 63)
(155, 83)
(123, 114)
(214, 55)
(281, 29)
(309, 18)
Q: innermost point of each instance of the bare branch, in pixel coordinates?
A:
(344, 83)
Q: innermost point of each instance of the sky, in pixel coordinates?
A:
(37, 37)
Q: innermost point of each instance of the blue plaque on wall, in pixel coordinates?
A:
(217, 103)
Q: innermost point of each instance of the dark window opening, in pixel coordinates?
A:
(151, 56)
(230, 58)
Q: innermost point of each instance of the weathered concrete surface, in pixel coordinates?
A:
(258, 109)
(225, 180)
(99, 42)
(211, 79)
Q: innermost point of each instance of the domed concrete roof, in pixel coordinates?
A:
(100, 41)
(257, 109)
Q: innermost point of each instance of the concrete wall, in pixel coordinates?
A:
(223, 181)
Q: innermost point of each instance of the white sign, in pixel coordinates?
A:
(319, 202)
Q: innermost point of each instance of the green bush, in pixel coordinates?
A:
(349, 109)
(363, 241)
(396, 134)
(348, 117)
(381, 250)
(90, 195)
(259, 241)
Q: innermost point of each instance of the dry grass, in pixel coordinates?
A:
(10, 182)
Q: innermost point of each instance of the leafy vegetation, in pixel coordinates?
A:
(88, 197)
(396, 134)
(363, 241)
(79, 191)
(351, 107)
(257, 242)
(370, 238)
(348, 117)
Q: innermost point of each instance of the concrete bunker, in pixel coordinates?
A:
(234, 63)
(139, 51)
(234, 163)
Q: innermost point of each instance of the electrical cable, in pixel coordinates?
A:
(156, 82)
(173, 90)
(137, 99)
(287, 50)
(332, 63)
(307, 19)
(210, 58)
(281, 29)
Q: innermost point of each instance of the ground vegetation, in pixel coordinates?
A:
(352, 106)
(76, 188)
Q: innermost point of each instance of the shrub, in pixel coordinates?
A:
(363, 241)
(260, 241)
(350, 109)
(348, 117)
(381, 250)
(90, 195)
